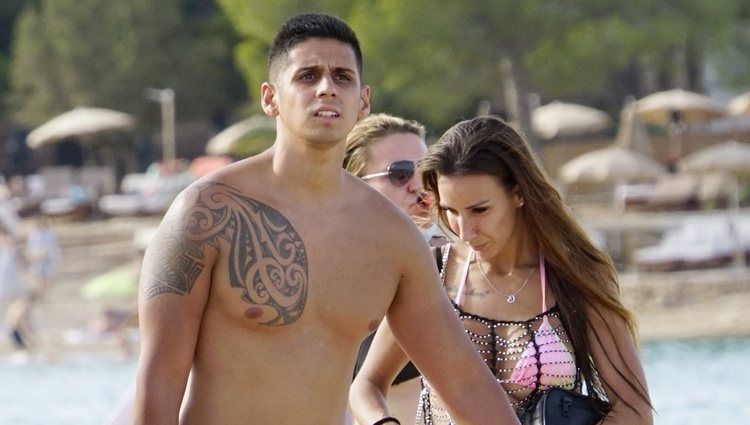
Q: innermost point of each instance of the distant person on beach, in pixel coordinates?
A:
(20, 327)
(43, 254)
(11, 278)
(265, 276)
(540, 302)
(382, 150)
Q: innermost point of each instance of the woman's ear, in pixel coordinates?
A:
(518, 198)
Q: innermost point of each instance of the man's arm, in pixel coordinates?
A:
(173, 290)
(426, 326)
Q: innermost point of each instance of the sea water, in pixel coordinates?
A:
(699, 382)
(691, 382)
(76, 391)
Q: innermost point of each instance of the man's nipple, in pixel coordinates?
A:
(253, 312)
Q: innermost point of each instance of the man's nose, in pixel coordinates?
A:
(326, 86)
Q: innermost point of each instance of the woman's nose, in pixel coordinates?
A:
(466, 230)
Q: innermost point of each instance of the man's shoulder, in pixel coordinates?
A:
(239, 177)
(372, 204)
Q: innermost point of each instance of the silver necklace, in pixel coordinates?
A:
(510, 299)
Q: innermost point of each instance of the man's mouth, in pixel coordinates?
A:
(327, 114)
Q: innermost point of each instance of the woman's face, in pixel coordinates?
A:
(384, 152)
(480, 211)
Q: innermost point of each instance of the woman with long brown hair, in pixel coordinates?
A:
(538, 299)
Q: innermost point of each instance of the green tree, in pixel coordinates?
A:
(734, 61)
(435, 60)
(105, 53)
(9, 11)
(256, 23)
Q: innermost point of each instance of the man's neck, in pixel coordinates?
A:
(307, 169)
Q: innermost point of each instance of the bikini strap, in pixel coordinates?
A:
(543, 278)
(464, 277)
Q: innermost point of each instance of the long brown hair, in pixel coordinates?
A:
(578, 273)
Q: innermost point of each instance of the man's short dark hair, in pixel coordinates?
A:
(310, 25)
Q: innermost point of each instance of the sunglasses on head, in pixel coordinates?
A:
(399, 173)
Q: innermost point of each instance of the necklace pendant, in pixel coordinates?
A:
(511, 299)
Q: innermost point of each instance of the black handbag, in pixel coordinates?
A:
(558, 406)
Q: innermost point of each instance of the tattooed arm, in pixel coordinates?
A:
(174, 288)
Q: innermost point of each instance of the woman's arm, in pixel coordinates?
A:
(616, 358)
(369, 392)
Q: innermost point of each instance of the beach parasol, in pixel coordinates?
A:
(557, 119)
(675, 108)
(730, 156)
(677, 104)
(79, 122)
(247, 137)
(613, 164)
(740, 105)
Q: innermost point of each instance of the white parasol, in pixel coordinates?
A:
(740, 105)
(79, 122)
(249, 136)
(730, 156)
(557, 119)
(613, 164)
(665, 106)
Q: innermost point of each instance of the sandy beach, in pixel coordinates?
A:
(64, 317)
(678, 305)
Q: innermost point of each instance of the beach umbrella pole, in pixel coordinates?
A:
(734, 212)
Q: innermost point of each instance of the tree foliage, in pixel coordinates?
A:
(434, 60)
(9, 12)
(107, 53)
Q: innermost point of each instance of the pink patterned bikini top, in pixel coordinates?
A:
(526, 356)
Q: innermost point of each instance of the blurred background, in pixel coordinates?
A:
(639, 111)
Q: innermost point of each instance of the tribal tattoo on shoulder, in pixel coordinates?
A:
(266, 257)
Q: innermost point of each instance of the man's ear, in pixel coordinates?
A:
(268, 99)
(364, 102)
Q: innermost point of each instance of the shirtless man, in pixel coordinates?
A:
(264, 277)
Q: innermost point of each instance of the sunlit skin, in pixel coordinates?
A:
(319, 93)
(391, 148)
(265, 276)
(486, 216)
